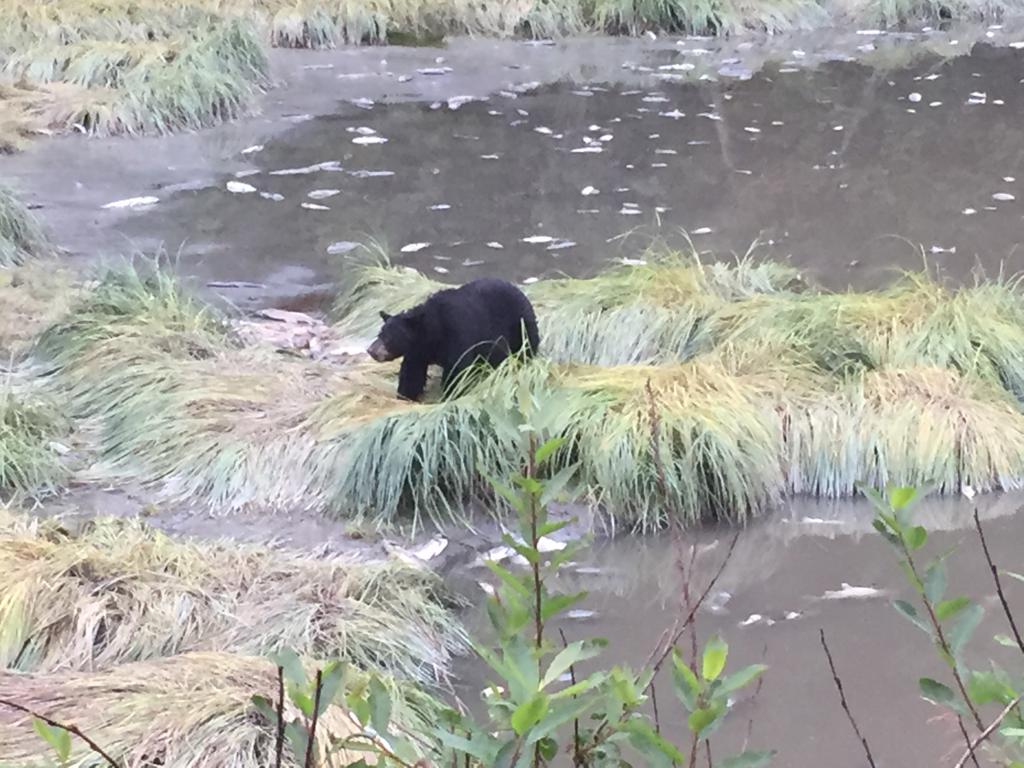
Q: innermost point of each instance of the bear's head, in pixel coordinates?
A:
(397, 336)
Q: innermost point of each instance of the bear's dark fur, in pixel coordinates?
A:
(481, 320)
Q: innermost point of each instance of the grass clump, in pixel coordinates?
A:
(118, 591)
(29, 426)
(21, 235)
(186, 711)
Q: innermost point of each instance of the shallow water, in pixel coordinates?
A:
(845, 169)
(784, 566)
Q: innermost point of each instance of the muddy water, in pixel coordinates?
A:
(843, 168)
(784, 567)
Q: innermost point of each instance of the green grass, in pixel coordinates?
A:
(29, 425)
(119, 591)
(785, 390)
(185, 711)
(21, 235)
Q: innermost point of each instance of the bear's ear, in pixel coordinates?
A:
(384, 316)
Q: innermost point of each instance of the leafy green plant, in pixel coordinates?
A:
(950, 622)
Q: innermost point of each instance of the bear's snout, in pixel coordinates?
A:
(379, 351)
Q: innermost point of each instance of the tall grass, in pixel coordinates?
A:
(118, 591)
(21, 235)
(185, 711)
(30, 463)
(787, 392)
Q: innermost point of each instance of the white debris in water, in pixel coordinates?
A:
(243, 174)
(362, 130)
(543, 129)
(685, 66)
(314, 207)
(1003, 197)
(968, 491)
(753, 618)
(457, 101)
(675, 114)
(489, 157)
(432, 548)
(978, 97)
(665, 152)
(587, 150)
(655, 99)
(440, 207)
(579, 614)
(777, 122)
(560, 244)
(1009, 179)
(848, 592)
(413, 247)
(494, 244)
(837, 127)
(914, 97)
(605, 137)
(870, 32)
(364, 140)
(629, 211)
(702, 231)
(939, 249)
(340, 247)
(370, 174)
(272, 196)
(329, 165)
(968, 211)
(472, 262)
(628, 262)
(434, 70)
(934, 104)
(441, 270)
(790, 615)
(133, 202)
(659, 165)
(538, 239)
(531, 280)
(998, 102)
(709, 115)
(322, 194)
(363, 102)
(751, 129)
(253, 149)
(588, 190)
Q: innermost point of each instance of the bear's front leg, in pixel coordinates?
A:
(412, 378)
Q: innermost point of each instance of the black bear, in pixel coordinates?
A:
(481, 320)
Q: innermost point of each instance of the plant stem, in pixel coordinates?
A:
(279, 746)
(577, 755)
(999, 584)
(310, 745)
(940, 635)
(986, 733)
(72, 729)
(842, 699)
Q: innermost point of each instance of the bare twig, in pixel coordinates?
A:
(842, 699)
(972, 746)
(967, 739)
(74, 730)
(707, 752)
(279, 747)
(999, 584)
(309, 763)
(753, 698)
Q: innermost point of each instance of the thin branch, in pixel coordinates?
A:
(577, 758)
(972, 746)
(999, 584)
(842, 699)
(310, 745)
(279, 747)
(967, 739)
(707, 751)
(72, 729)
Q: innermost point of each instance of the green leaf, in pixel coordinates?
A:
(700, 719)
(1012, 733)
(553, 527)
(558, 603)
(749, 760)
(332, 679)
(986, 687)
(935, 691)
(529, 713)
(685, 682)
(715, 653)
(380, 706)
(554, 487)
(514, 499)
(742, 678)
(911, 613)
(883, 528)
(265, 708)
(509, 579)
(916, 537)
(949, 608)
(572, 654)
(289, 660)
(301, 699)
(962, 630)
(1012, 575)
(545, 451)
(901, 498)
(507, 754)
(1006, 640)
(548, 748)
(297, 738)
(58, 738)
(935, 581)
(658, 750)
